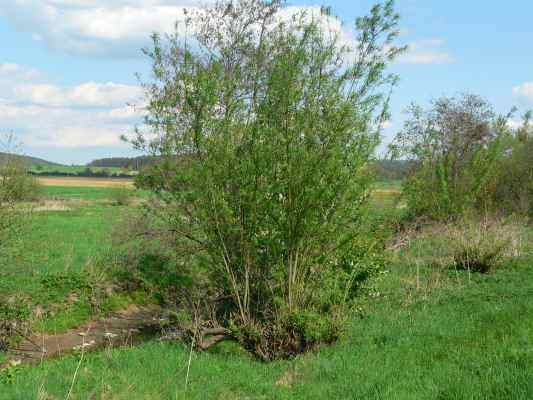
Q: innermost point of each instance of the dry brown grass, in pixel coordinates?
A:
(481, 246)
(476, 244)
(51, 205)
(86, 182)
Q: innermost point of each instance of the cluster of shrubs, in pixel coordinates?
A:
(511, 190)
(468, 166)
(464, 157)
(16, 183)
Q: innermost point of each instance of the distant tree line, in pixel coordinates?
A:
(383, 169)
(130, 163)
(392, 170)
(86, 173)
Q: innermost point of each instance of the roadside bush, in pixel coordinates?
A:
(454, 149)
(266, 129)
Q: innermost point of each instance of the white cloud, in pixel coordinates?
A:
(426, 51)
(386, 125)
(40, 126)
(9, 68)
(81, 136)
(524, 91)
(127, 113)
(11, 73)
(88, 94)
(46, 115)
(327, 23)
(117, 28)
(91, 113)
(514, 124)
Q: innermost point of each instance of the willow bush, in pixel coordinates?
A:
(512, 189)
(454, 147)
(266, 125)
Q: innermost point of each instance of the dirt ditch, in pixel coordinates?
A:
(129, 327)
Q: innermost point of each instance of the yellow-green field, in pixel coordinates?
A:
(85, 182)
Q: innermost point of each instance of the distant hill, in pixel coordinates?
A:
(28, 161)
(131, 163)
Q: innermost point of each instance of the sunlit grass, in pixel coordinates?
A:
(425, 332)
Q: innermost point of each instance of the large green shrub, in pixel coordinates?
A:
(266, 127)
(512, 187)
(454, 148)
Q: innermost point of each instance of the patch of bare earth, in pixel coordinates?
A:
(125, 328)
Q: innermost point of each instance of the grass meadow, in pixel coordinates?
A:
(423, 332)
(51, 269)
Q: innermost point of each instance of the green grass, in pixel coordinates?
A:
(426, 332)
(87, 193)
(388, 185)
(386, 195)
(469, 339)
(78, 193)
(51, 267)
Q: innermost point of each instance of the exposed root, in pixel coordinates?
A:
(209, 337)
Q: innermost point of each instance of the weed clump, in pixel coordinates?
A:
(14, 321)
(122, 197)
(481, 246)
(471, 244)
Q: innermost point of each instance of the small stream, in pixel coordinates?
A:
(129, 327)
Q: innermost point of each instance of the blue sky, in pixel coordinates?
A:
(67, 67)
